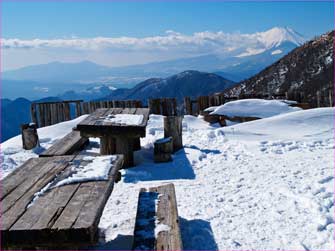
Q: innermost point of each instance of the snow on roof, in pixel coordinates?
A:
(259, 108)
(126, 119)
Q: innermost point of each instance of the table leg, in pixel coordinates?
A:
(137, 144)
(107, 145)
(125, 146)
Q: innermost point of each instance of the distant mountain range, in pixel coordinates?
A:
(307, 70)
(235, 64)
(187, 83)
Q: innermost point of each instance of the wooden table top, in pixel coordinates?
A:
(67, 214)
(95, 125)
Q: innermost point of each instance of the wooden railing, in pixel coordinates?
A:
(49, 113)
(91, 106)
(163, 106)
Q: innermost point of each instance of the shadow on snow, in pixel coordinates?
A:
(147, 170)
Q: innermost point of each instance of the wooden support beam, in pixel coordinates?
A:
(173, 128)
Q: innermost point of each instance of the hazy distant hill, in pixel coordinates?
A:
(187, 83)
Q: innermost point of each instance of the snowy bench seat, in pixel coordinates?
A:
(71, 143)
(157, 223)
(56, 202)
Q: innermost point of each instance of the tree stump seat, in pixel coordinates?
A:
(163, 148)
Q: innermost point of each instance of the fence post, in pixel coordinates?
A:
(330, 99)
(33, 114)
(154, 106)
(173, 128)
(318, 98)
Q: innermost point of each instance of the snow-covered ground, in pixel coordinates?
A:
(259, 108)
(264, 185)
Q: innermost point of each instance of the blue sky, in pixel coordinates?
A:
(50, 20)
(130, 18)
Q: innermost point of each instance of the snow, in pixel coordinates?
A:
(161, 228)
(211, 108)
(328, 60)
(12, 154)
(275, 52)
(258, 108)
(97, 168)
(261, 185)
(277, 35)
(126, 119)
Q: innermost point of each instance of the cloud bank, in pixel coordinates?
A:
(197, 42)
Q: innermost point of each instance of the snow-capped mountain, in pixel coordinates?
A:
(236, 55)
(306, 70)
(277, 36)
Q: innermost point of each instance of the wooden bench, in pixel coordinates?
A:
(157, 230)
(66, 216)
(68, 145)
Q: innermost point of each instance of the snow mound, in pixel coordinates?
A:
(300, 124)
(258, 108)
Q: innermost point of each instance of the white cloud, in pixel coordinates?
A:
(115, 51)
(198, 42)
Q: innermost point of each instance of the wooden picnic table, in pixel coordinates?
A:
(63, 216)
(115, 138)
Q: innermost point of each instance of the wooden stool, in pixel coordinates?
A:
(163, 149)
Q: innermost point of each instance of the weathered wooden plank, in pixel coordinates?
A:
(147, 219)
(173, 128)
(68, 145)
(67, 111)
(67, 214)
(155, 106)
(33, 113)
(107, 145)
(15, 203)
(18, 176)
(167, 214)
(78, 109)
(94, 126)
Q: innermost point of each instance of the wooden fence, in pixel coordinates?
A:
(49, 113)
(163, 106)
(197, 105)
(89, 107)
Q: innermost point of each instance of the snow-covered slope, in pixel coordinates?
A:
(306, 70)
(259, 108)
(263, 185)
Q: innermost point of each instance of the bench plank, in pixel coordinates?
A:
(65, 215)
(68, 145)
(146, 234)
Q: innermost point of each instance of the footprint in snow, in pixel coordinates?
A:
(325, 180)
